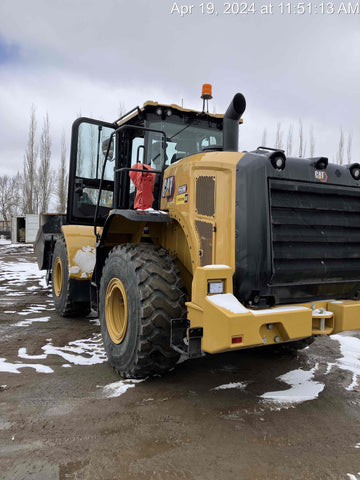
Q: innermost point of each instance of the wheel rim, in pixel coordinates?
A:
(58, 276)
(116, 310)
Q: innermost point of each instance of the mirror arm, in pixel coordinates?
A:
(97, 235)
(98, 151)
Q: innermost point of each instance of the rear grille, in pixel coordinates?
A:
(205, 196)
(315, 233)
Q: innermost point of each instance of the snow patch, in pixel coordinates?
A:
(80, 352)
(216, 266)
(303, 387)
(18, 273)
(14, 367)
(118, 388)
(267, 311)
(29, 321)
(228, 301)
(35, 309)
(4, 242)
(228, 386)
(74, 270)
(350, 360)
(84, 261)
(154, 211)
(18, 245)
(320, 312)
(22, 354)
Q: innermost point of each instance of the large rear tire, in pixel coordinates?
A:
(140, 292)
(64, 303)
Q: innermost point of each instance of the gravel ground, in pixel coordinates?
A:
(64, 413)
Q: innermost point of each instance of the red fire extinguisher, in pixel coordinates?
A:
(144, 183)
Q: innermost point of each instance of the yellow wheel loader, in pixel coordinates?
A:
(185, 245)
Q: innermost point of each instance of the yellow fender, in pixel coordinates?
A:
(80, 246)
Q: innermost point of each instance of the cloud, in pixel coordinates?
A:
(68, 57)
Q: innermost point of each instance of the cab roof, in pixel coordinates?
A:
(150, 106)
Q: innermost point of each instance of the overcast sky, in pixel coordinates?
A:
(84, 56)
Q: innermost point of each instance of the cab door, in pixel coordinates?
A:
(89, 146)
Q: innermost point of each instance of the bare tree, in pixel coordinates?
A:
(9, 197)
(301, 139)
(289, 141)
(279, 137)
(349, 147)
(312, 142)
(18, 189)
(340, 152)
(264, 138)
(30, 200)
(62, 178)
(122, 109)
(45, 174)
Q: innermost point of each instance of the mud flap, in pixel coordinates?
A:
(185, 340)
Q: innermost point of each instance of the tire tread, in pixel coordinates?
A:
(162, 297)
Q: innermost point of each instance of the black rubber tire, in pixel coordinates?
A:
(64, 304)
(155, 295)
(291, 348)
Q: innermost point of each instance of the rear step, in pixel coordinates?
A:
(189, 346)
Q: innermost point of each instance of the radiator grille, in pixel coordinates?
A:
(315, 233)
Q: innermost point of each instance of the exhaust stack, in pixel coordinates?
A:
(231, 122)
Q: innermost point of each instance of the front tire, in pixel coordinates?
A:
(64, 302)
(140, 292)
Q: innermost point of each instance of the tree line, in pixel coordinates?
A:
(38, 185)
(304, 146)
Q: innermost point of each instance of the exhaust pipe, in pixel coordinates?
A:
(231, 122)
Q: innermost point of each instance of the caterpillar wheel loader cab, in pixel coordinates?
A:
(185, 245)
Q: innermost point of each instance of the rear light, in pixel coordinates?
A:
(238, 339)
(278, 160)
(321, 163)
(215, 287)
(355, 171)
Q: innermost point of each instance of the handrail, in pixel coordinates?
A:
(123, 127)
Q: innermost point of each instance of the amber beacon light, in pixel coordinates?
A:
(206, 95)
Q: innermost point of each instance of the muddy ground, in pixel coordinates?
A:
(62, 416)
